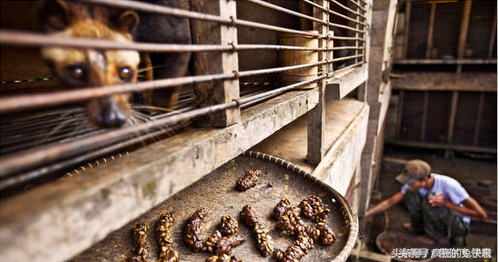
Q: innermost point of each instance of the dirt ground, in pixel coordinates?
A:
(466, 169)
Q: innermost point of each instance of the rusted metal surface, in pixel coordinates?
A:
(387, 241)
(216, 192)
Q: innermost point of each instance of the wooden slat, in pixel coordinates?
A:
(216, 92)
(406, 33)
(464, 28)
(476, 149)
(316, 117)
(451, 120)
(430, 32)
(492, 39)
(342, 84)
(444, 61)
(472, 82)
(479, 118)
(400, 113)
(425, 108)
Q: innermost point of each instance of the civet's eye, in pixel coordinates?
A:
(75, 74)
(125, 74)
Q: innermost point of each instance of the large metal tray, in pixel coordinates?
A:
(217, 193)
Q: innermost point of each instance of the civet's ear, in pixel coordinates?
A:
(53, 15)
(128, 22)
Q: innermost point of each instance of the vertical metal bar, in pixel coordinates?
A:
(406, 33)
(401, 97)
(424, 115)
(431, 31)
(479, 116)
(316, 117)
(492, 39)
(464, 28)
(451, 120)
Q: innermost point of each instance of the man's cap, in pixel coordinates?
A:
(414, 169)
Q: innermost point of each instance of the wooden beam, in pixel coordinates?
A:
(479, 117)
(487, 150)
(430, 32)
(464, 28)
(342, 84)
(216, 92)
(444, 61)
(425, 107)
(492, 39)
(316, 117)
(451, 120)
(406, 33)
(467, 81)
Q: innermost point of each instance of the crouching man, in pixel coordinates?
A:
(439, 207)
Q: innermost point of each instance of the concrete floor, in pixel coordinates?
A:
(461, 167)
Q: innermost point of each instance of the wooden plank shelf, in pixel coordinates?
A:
(343, 83)
(451, 61)
(74, 213)
(345, 128)
(482, 82)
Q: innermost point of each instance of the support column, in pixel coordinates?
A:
(216, 92)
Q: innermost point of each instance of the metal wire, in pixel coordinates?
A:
(333, 12)
(347, 8)
(72, 152)
(21, 38)
(25, 160)
(30, 101)
(358, 5)
(194, 15)
(285, 10)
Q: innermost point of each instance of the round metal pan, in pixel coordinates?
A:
(216, 192)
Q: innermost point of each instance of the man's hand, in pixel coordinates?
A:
(436, 200)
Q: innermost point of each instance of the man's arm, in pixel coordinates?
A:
(470, 208)
(385, 205)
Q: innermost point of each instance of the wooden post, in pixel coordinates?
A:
(492, 38)
(451, 120)
(406, 33)
(464, 28)
(316, 117)
(216, 92)
(424, 115)
(431, 30)
(479, 116)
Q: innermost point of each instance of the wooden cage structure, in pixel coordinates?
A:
(89, 174)
(445, 86)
